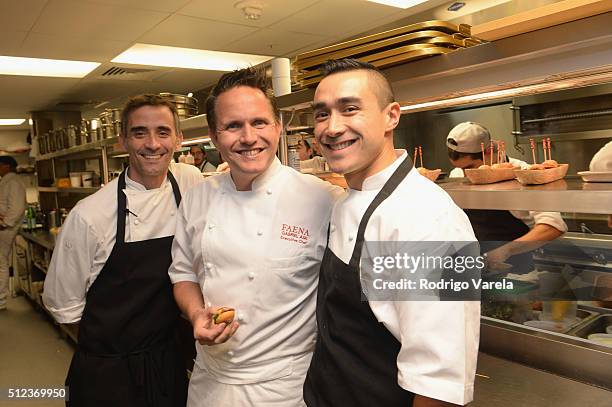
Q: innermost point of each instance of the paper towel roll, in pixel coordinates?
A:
(281, 76)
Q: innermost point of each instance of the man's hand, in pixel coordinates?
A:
(208, 333)
(499, 255)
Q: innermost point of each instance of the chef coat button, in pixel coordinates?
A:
(269, 191)
(209, 265)
(172, 213)
(240, 317)
(230, 353)
(259, 233)
(350, 238)
(209, 304)
(332, 228)
(68, 245)
(251, 276)
(136, 222)
(211, 226)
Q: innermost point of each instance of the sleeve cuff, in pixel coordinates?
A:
(68, 315)
(439, 389)
(178, 278)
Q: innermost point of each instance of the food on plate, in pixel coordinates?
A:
(223, 314)
(484, 167)
(537, 167)
(550, 164)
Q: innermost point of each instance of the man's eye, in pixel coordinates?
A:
(260, 124)
(320, 115)
(351, 109)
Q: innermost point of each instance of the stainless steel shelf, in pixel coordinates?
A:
(197, 123)
(566, 195)
(581, 135)
(79, 190)
(83, 148)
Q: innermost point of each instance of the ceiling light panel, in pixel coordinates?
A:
(173, 57)
(45, 67)
(11, 122)
(399, 3)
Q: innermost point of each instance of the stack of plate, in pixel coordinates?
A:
(186, 106)
(388, 48)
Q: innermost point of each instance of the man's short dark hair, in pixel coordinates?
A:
(250, 77)
(384, 92)
(139, 101)
(10, 161)
(200, 147)
(456, 155)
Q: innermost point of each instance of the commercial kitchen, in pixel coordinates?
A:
(538, 76)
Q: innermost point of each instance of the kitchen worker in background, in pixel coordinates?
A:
(251, 239)
(199, 155)
(12, 208)
(602, 162)
(523, 231)
(109, 271)
(382, 353)
(304, 150)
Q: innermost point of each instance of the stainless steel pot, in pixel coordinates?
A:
(115, 114)
(72, 136)
(176, 98)
(106, 117)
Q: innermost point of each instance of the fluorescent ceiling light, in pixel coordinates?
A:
(399, 3)
(45, 67)
(11, 122)
(173, 57)
(195, 141)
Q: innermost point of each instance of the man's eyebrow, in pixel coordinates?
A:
(342, 101)
(137, 128)
(318, 105)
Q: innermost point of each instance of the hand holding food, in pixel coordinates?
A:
(213, 326)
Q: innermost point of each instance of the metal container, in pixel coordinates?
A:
(108, 131)
(106, 117)
(71, 136)
(596, 326)
(42, 144)
(176, 98)
(117, 128)
(115, 114)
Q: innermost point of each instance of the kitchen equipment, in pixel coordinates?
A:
(87, 178)
(186, 106)
(106, 117)
(488, 175)
(75, 179)
(71, 136)
(559, 311)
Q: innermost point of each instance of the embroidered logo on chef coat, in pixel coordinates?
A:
(295, 233)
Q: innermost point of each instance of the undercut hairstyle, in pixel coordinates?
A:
(383, 91)
(10, 161)
(250, 77)
(139, 101)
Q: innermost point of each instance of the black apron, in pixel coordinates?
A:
(493, 228)
(355, 358)
(127, 355)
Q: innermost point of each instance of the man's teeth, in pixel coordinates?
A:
(151, 156)
(250, 153)
(340, 146)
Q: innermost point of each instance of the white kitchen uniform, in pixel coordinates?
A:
(529, 218)
(206, 166)
(12, 208)
(88, 236)
(259, 252)
(439, 340)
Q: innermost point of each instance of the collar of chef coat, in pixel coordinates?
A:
(376, 181)
(262, 180)
(139, 197)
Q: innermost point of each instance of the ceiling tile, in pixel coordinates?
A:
(335, 17)
(19, 15)
(153, 5)
(72, 48)
(273, 42)
(28, 93)
(69, 18)
(10, 41)
(191, 32)
(274, 10)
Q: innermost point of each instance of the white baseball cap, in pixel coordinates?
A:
(467, 137)
(602, 160)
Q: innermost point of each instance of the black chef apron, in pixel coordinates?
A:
(493, 228)
(126, 354)
(355, 358)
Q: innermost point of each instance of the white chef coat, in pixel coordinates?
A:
(259, 252)
(206, 166)
(88, 236)
(12, 200)
(439, 339)
(529, 218)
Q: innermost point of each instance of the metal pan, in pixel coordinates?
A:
(427, 25)
(173, 97)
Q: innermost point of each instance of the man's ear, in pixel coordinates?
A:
(393, 115)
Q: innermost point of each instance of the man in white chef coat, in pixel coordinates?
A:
(109, 271)
(12, 208)
(382, 353)
(505, 235)
(251, 239)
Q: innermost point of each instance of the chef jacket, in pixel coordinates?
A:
(206, 166)
(257, 251)
(530, 218)
(439, 339)
(87, 236)
(12, 200)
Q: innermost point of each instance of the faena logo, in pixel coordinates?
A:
(296, 234)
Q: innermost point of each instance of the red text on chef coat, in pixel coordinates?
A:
(294, 233)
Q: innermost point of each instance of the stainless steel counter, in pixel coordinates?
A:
(566, 195)
(509, 384)
(43, 238)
